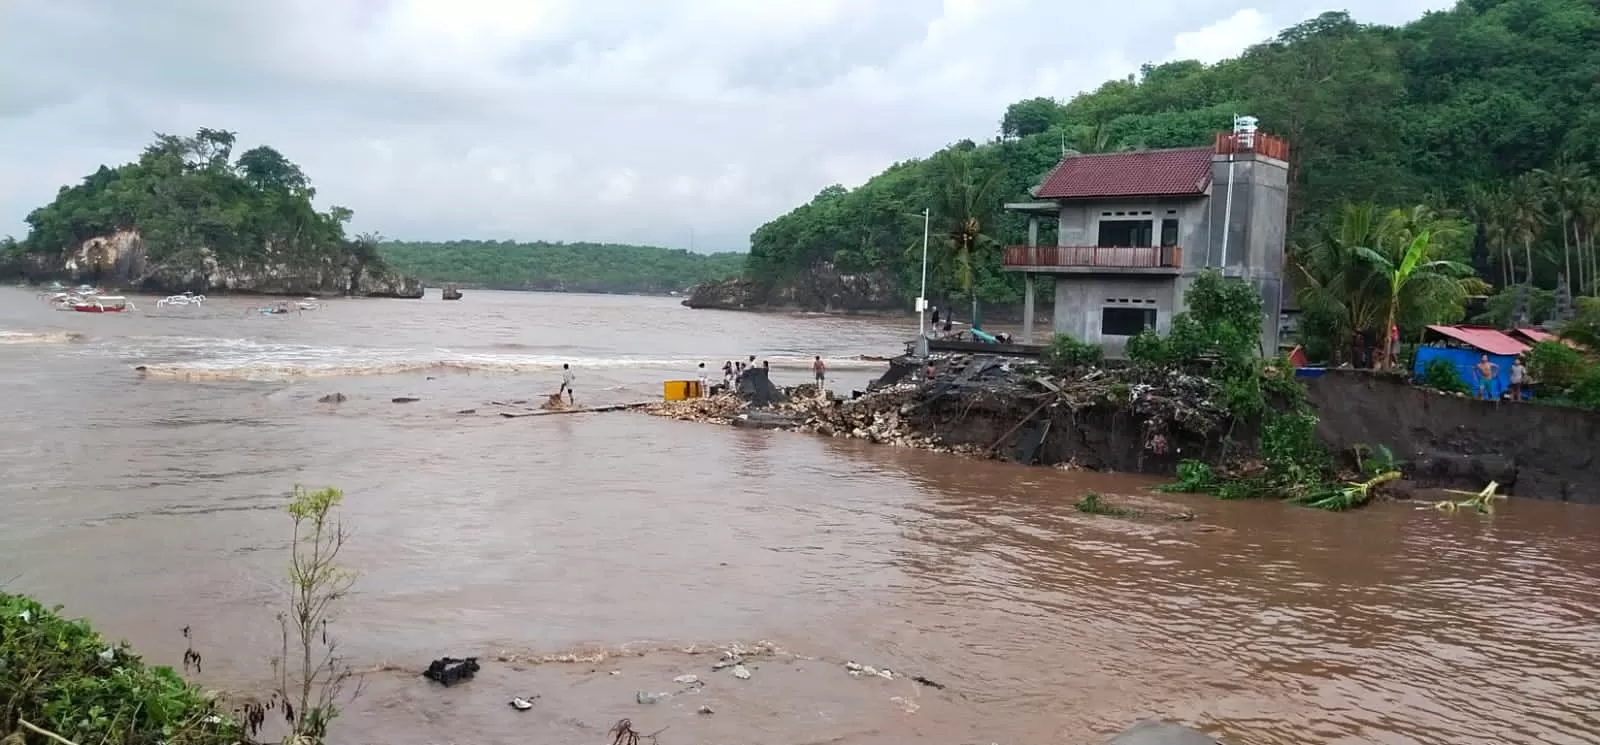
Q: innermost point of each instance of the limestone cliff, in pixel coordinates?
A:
(122, 258)
(823, 288)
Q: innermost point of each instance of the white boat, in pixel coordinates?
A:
(187, 298)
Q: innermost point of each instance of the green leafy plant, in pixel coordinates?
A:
(311, 676)
(1374, 461)
(1440, 375)
(1093, 504)
(60, 675)
(1066, 353)
(1194, 477)
(1556, 367)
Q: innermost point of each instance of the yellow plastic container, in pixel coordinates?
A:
(678, 390)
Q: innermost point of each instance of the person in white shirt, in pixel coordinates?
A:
(705, 383)
(566, 383)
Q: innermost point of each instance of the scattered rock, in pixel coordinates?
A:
(688, 679)
(741, 672)
(333, 398)
(647, 697)
(404, 399)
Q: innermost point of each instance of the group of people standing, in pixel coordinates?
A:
(734, 370)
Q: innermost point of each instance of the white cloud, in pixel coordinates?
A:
(624, 120)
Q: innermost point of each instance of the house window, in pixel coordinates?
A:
(1124, 233)
(1169, 232)
(1126, 321)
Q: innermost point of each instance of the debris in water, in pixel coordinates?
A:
(523, 704)
(928, 683)
(688, 679)
(623, 733)
(333, 398)
(448, 671)
(704, 710)
(646, 697)
(741, 672)
(404, 399)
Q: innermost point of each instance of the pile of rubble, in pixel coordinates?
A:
(721, 409)
(927, 406)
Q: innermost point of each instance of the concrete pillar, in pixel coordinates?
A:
(1027, 300)
(1033, 239)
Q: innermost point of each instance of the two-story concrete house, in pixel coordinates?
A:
(1135, 228)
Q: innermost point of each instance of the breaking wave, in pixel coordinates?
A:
(239, 360)
(41, 337)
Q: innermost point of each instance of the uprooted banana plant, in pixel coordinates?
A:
(1481, 502)
(1353, 494)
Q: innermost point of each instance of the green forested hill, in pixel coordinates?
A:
(1447, 112)
(569, 267)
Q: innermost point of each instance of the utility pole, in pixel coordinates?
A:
(922, 295)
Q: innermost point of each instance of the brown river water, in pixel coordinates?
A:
(149, 503)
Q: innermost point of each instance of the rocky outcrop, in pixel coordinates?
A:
(822, 288)
(122, 258)
(1532, 450)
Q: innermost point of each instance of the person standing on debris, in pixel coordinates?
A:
(566, 383)
(1519, 376)
(705, 384)
(1485, 372)
(727, 374)
(820, 369)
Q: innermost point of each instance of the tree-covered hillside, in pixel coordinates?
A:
(1449, 111)
(568, 267)
(203, 218)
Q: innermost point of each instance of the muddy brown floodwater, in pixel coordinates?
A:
(631, 546)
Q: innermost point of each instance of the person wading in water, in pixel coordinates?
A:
(820, 368)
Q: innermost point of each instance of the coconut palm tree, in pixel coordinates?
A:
(1408, 270)
(1563, 185)
(1525, 215)
(1487, 206)
(965, 203)
(1335, 281)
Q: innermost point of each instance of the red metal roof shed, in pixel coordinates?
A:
(1482, 338)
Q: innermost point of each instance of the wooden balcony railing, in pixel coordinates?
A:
(1229, 143)
(1107, 257)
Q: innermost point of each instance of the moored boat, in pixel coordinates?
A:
(103, 304)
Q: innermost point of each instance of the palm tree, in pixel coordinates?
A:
(1563, 185)
(1588, 219)
(1487, 206)
(1525, 215)
(1411, 271)
(1336, 281)
(963, 203)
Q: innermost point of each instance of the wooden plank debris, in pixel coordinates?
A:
(580, 410)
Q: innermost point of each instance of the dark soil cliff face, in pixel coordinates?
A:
(1540, 452)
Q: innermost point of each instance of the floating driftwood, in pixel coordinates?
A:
(580, 410)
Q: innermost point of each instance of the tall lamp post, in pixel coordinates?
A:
(922, 295)
(1244, 135)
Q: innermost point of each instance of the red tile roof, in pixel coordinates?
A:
(1148, 173)
(1486, 339)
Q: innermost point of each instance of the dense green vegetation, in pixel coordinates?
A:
(570, 267)
(1218, 337)
(60, 675)
(1484, 113)
(194, 203)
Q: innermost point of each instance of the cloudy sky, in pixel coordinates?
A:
(606, 120)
